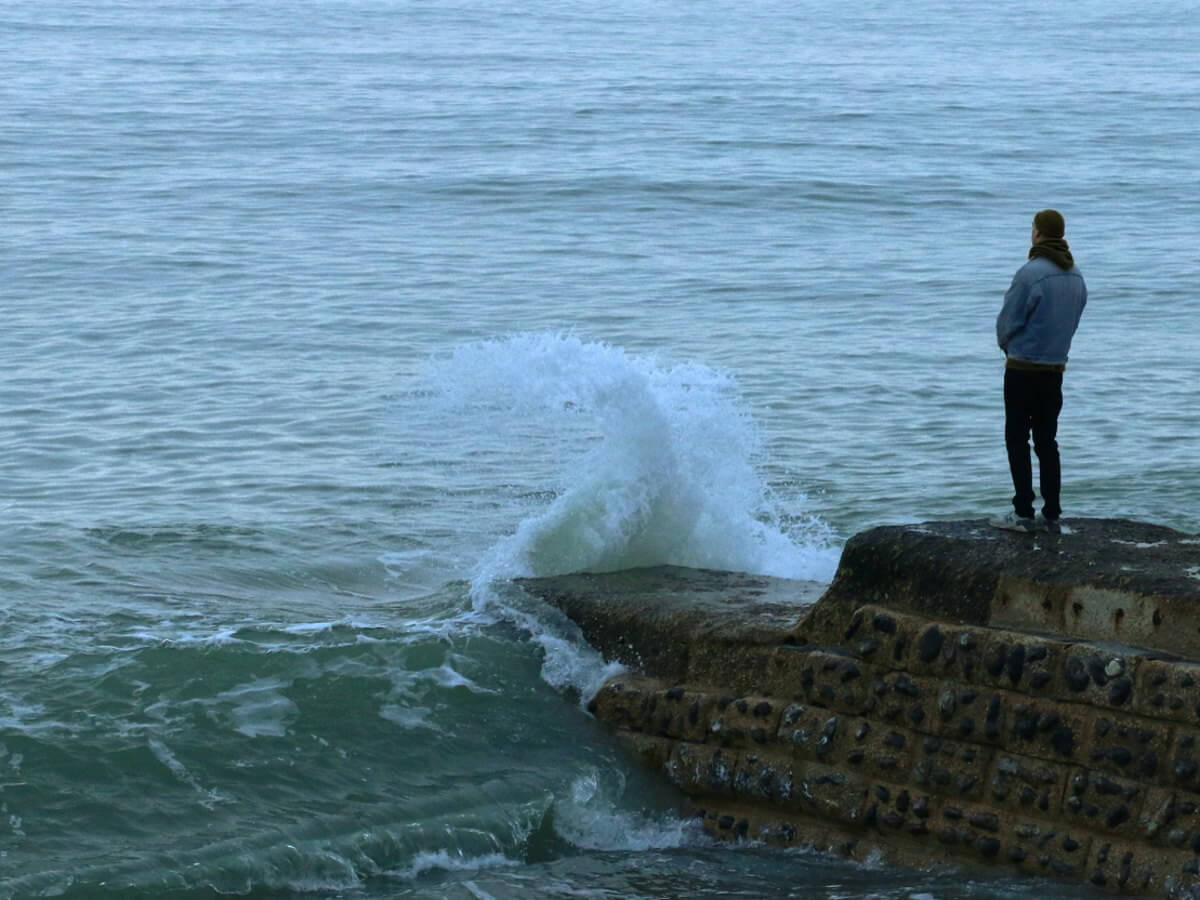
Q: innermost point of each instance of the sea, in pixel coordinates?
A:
(322, 322)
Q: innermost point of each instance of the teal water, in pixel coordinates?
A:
(321, 323)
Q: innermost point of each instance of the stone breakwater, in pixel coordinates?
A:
(957, 695)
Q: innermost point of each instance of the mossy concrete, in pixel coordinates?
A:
(957, 694)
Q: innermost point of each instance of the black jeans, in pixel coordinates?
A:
(1032, 402)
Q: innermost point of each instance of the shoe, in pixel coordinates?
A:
(1013, 522)
(1053, 526)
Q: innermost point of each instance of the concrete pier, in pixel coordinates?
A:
(957, 694)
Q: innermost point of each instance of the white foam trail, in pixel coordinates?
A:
(209, 798)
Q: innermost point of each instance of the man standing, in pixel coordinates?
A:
(1034, 329)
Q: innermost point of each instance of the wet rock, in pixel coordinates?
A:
(947, 701)
(1016, 663)
(1078, 678)
(1120, 690)
(884, 623)
(929, 645)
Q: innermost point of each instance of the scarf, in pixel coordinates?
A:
(1055, 250)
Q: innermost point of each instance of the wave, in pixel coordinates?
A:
(646, 464)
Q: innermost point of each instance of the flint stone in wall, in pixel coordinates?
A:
(642, 704)
(1171, 818)
(1023, 663)
(955, 769)
(1104, 676)
(829, 793)
(1128, 868)
(1183, 760)
(1039, 848)
(1026, 784)
(835, 681)
(1128, 746)
(1102, 803)
(1168, 689)
(744, 721)
(701, 769)
(764, 777)
(854, 744)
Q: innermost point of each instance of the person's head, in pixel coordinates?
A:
(1048, 224)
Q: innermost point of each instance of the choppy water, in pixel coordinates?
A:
(321, 322)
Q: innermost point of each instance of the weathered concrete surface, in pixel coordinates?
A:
(958, 694)
(683, 624)
(1103, 579)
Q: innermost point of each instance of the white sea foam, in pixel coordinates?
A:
(413, 682)
(447, 676)
(259, 708)
(399, 563)
(309, 627)
(408, 702)
(410, 718)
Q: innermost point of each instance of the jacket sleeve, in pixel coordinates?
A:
(1014, 313)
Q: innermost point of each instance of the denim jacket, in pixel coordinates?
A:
(1041, 312)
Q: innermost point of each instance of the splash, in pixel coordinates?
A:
(648, 463)
(629, 463)
(591, 818)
